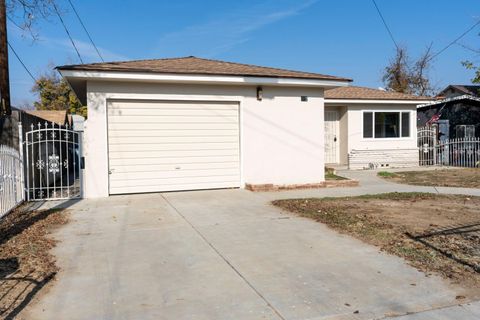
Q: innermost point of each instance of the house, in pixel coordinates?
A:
(456, 112)
(455, 90)
(191, 123)
(371, 128)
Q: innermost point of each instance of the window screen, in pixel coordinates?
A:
(368, 124)
(405, 124)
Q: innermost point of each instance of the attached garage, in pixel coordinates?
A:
(172, 145)
(190, 124)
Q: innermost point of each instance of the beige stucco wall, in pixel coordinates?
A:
(281, 137)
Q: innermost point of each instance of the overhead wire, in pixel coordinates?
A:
(86, 31)
(68, 32)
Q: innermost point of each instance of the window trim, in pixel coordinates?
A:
(400, 124)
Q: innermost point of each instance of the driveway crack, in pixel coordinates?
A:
(258, 293)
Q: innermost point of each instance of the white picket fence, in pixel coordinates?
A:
(11, 179)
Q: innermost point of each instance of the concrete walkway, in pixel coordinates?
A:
(229, 254)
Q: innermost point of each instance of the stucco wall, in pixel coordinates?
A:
(281, 137)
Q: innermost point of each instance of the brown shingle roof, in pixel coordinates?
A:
(55, 116)
(363, 93)
(193, 65)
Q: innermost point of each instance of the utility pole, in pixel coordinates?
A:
(4, 80)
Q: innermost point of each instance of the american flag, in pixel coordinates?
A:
(436, 116)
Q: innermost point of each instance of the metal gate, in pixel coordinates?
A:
(53, 158)
(427, 145)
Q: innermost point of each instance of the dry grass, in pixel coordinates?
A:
(26, 264)
(387, 220)
(463, 178)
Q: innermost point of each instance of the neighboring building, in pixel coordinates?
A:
(371, 128)
(457, 112)
(455, 90)
(60, 117)
(190, 123)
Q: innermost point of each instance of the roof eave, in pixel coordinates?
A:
(375, 101)
(78, 78)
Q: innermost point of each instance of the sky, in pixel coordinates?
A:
(342, 37)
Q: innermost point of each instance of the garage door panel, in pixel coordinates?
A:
(172, 187)
(172, 139)
(172, 146)
(169, 112)
(177, 180)
(173, 119)
(169, 133)
(172, 105)
(174, 166)
(133, 177)
(138, 126)
(119, 162)
(173, 154)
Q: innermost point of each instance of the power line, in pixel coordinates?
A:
(21, 62)
(455, 41)
(86, 31)
(385, 24)
(66, 30)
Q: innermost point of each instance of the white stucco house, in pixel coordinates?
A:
(191, 123)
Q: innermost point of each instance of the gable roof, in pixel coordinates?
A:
(364, 93)
(473, 90)
(194, 65)
(55, 116)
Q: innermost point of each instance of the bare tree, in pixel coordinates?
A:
(407, 76)
(25, 13)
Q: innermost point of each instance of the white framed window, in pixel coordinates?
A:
(386, 124)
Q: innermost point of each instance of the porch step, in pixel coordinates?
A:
(382, 158)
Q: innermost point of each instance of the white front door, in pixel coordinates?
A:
(332, 151)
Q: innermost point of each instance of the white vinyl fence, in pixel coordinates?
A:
(11, 184)
(463, 152)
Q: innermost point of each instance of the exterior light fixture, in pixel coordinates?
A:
(259, 93)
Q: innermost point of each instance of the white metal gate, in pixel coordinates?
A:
(427, 145)
(53, 162)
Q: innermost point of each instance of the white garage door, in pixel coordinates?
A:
(166, 146)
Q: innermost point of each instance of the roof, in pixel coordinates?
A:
(473, 90)
(364, 93)
(55, 116)
(450, 100)
(194, 65)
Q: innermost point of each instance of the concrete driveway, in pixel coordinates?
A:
(227, 254)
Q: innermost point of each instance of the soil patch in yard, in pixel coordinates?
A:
(434, 233)
(463, 178)
(26, 264)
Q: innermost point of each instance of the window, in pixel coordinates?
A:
(386, 124)
(368, 124)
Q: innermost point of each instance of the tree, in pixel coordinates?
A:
(54, 93)
(25, 13)
(471, 66)
(407, 76)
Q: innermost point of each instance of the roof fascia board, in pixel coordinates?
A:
(213, 79)
(374, 101)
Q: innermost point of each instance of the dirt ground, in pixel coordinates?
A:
(434, 233)
(26, 264)
(463, 178)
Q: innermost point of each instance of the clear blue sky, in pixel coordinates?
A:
(342, 37)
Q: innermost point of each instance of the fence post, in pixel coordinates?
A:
(20, 151)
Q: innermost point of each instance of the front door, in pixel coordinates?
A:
(331, 137)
